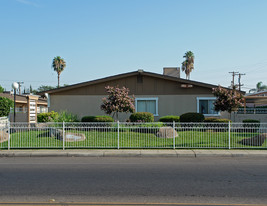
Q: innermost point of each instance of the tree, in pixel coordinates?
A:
(1, 89)
(117, 101)
(5, 105)
(259, 87)
(227, 100)
(58, 65)
(188, 63)
(43, 88)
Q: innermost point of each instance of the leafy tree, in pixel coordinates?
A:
(227, 100)
(259, 87)
(43, 88)
(58, 65)
(5, 105)
(117, 101)
(1, 89)
(188, 63)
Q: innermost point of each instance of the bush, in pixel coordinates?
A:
(251, 125)
(170, 118)
(5, 105)
(192, 117)
(47, 117)
(97, 119)
(65, 116)
(142, 117)
(215, 120)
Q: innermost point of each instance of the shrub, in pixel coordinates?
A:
(142, 117)
(5, 105)
(47, 117)
(65, 116)
(212, 119)
(192, 117)
(251, 125)
(170, 118)
(97, 119)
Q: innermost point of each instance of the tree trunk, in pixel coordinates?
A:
(57, 80)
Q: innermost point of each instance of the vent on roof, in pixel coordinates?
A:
(172, 71)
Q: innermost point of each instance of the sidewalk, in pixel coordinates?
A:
(134, 153)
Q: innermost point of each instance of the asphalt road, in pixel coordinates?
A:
(134, 180)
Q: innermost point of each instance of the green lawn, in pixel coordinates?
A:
(129, 139)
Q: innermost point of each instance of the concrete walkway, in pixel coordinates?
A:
(133, 153)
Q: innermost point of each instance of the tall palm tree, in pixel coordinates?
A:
(259, 87)
(188, 63)
(58, 65)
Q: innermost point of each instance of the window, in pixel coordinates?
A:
(147, 105)
(205, 106)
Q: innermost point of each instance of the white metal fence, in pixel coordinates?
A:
(134, 135)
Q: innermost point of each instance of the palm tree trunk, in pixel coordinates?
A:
(57, 80)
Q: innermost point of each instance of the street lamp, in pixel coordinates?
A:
(15, 86)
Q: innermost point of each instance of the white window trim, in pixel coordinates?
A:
(148, 98)
(207, 98)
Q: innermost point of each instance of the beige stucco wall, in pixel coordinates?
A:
(87, 105)
(240, 117)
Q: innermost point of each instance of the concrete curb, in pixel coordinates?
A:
(134, 153)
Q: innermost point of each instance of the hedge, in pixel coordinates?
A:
(212, 119)
(142, 117)
(170, 118)
(97, 119)
(192, 117)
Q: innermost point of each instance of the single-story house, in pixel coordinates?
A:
(160, 94)
(27, 107)
(255, 107)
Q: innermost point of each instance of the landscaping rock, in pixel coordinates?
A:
(57, 133)
(3, 135)
(257, 140)
(166, 132)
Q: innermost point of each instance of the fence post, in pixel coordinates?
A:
(9, 130)
(173, 124)
(118, 134)
(63, 133)
(229, 134)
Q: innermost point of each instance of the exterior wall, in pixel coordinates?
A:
(240, 117)
(83, 105)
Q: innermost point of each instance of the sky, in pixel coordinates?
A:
(100, 38)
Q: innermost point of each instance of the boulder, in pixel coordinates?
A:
(257, 140)
(166, 132)
(57, 133)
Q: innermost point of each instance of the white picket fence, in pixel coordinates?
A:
(121, 135)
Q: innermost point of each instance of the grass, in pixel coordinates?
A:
(130, 138)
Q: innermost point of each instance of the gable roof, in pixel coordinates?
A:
(129, 74)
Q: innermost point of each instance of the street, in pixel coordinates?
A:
(134, 180)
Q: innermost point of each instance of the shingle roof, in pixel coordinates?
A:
(124, 75)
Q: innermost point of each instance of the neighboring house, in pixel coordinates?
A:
(255, 107)
(166, 94)
(27, 107)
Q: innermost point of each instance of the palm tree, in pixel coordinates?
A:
(259, 87)
(58, 65)
(188, 63)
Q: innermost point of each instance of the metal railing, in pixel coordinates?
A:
(252, 111)
(120, 135)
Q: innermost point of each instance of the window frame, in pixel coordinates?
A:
(147, 98)
(206, 98)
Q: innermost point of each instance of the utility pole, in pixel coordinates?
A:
(20, 83)
(239, 81)
(233, 81)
